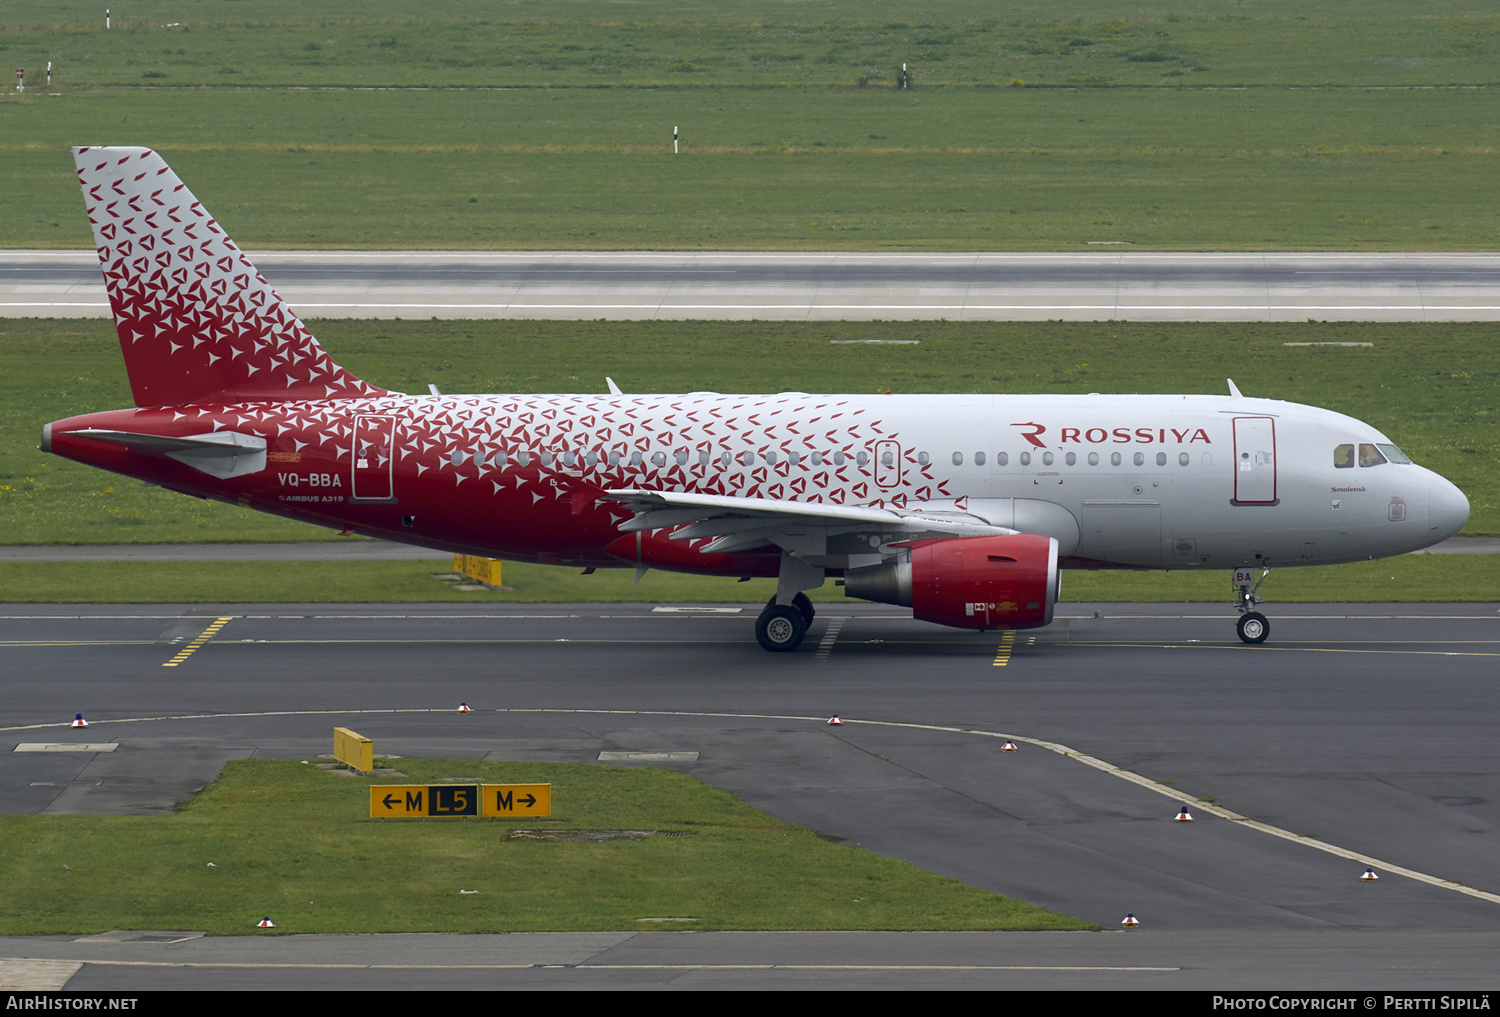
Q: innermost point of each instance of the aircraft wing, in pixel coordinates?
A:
(741, 523)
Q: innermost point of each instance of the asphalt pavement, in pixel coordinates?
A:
(959, 286)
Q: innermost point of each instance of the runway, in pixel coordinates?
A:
(1093, 286)
(1362, 735)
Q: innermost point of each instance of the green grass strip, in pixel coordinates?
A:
(290, 840)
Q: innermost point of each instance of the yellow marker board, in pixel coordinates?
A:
(486, 570)
(421, 801)
(353, 749)
(501, 800)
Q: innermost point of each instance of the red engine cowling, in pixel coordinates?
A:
(1007, 582)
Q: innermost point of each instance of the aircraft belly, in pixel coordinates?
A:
(1122, 530)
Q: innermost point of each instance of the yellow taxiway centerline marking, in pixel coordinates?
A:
(1262, 648)
(1002, 654)
(77, 642)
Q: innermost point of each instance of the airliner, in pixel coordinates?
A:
(964, 508)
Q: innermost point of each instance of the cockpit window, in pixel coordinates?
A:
(1393, 453)
(1343, 457)
(1369, 455)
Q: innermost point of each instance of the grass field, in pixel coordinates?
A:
(1429, 578)
(295, 842)
(1188, 128)
(603, 45)
(962, 170)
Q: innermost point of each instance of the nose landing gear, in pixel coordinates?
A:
(1252, 626)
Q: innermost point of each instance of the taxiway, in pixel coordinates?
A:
(1361, 735)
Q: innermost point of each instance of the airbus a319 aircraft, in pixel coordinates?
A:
(962, 507)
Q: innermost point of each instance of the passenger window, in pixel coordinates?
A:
(1093, 458)
(525, 457)
(886, 459)
(636, 459)
(1182, 458)
(958, 459)
(794, 458)
(923, 458)
(1046, 458)
(1114, 459)
(978, 458)
(838, 459)
(1343, 457)
(660, 459)
(861, 458)
(1070, 459)
(1161, 459)
(1369, 455)
(1002, 458)
(1025, 458)
(1140, 459)
(771, 457)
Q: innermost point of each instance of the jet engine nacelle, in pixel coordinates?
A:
(1007, 582)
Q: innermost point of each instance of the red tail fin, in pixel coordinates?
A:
(197, 322)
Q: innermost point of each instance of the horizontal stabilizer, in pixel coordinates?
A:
(221, 454)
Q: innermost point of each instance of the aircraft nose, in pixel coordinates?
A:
(1447, 510)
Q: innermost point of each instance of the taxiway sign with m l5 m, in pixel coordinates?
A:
(424, 801)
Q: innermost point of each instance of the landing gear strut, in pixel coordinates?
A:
(1252, 626)
(780, 628)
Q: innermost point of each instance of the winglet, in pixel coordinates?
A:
(1233, 390)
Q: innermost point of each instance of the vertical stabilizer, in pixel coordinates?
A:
(197, 322)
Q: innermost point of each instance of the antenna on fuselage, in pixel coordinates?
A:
(433, 388)
(613, 388)
(1233, 390)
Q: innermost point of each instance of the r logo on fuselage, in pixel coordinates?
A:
(1033, 436)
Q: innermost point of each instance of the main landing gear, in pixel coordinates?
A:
(780, 627)
(1252, 626)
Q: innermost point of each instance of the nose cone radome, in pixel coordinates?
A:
(1447, 511)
